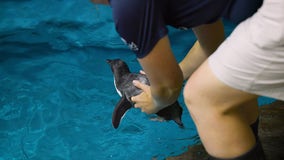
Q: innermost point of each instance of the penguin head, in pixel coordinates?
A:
(118, 65)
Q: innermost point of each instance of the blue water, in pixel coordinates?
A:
(58, 105)
(57, 94)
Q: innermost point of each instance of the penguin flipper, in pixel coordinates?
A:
(120, 109)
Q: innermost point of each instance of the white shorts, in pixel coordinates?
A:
(251, 59)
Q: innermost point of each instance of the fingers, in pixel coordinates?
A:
(143, 100)
(145, 106)
(134, 100)
(138, 100)
(142, 72)
(142, 86)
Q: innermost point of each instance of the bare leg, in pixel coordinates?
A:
(218, 112)
(251, 114)
(250, 111)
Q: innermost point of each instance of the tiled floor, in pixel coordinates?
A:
(271, 132)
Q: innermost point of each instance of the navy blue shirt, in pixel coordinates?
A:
(142, 23)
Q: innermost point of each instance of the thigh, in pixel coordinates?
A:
(217, 112)
(207, 92)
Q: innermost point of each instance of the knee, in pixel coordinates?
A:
(196, 101)
(200, 97)
(191, 94)
(186, 94)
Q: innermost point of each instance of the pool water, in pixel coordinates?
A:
(57, 93)
(58, 105)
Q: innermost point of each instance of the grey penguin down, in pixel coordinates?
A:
(123, 83)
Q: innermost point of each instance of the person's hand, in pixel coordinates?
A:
(144, 100)
(142, 72)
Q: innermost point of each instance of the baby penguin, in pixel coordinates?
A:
(123, 83)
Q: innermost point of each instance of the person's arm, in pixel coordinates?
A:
(165, 77)
(164, 73)
(209, 37)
